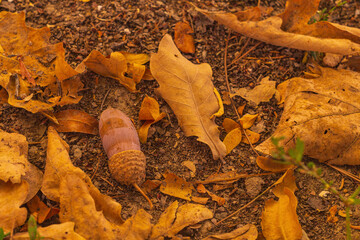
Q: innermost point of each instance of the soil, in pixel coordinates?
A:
(137, 27)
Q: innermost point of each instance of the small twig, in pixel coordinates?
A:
(242, 56)
(107, 181)
(144, 194)
(97, 166)
(345, 172)
(103, 101)
(246, 205)
(229, 90)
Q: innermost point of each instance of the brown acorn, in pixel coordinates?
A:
(121, 143)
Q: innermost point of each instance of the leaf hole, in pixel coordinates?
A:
(176, 55)
(343, 90)
(326, 131)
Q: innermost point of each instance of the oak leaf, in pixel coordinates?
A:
(324, 113)
(291, 29)
(188, 89)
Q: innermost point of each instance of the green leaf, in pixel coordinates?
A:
(32, 228)
(2, 234)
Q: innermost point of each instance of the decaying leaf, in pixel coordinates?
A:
(117, 66)
(150, 113)
(56, 231)
(14, 166)
(176, 186)
(176, 218)
(36, 76)
(72, 120)
(202, 189)
(261, 93)
(188, 89)
(232, 139)
(324, 113)
(291, 29)
(40, 210)
(279, 218)
(190, 165)
(58, 166)
(269, 164)
(12, 197)
(247, 232)
(223, 178)
(183, 40)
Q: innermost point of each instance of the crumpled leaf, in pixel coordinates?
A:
(72, 120)
(247, 232)
(183, 40)
(58, 166)
(191, 166)
(150, 113)
(78, 205)
(40, 210)
(55, 231)
(261, 93)
(14, 166)
(37, 77)
(220, 200)
(176, 187)
(12, 197)
(279, 218)
(323, 113)
(291, 29)
(117, 66)
(175, 218)
(188, 89)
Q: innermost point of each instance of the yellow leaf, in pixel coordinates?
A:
(136, 58)
(183, 40)
(72, 120)
(247, 232)
(232, 139)
(230, 125)
(176, 187)
(279, 218)
(269, 164)
(248, 120)
(220, 112)
(55, 231)
(253, 137)
(190, 165)
(188, 89)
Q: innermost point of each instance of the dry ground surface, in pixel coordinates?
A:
(137, 27)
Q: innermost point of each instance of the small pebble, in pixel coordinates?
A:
(77, 153)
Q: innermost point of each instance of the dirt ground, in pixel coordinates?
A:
(137, 27)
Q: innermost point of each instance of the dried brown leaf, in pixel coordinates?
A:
(72, 120)
(188, 89)
(247, 232)
(183, 40)
(176, 187)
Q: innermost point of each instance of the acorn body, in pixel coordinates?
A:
(120, 140)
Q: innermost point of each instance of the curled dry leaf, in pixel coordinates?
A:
(188, 89)
(269, 164)
(291, 29)
(324, 113)
(176, 187)
(223, 178)
(117, 65)
(247, 232)
(176, 218)
(46, 79)
(261, 93)
(56, 231)
(279, 218)
(72, 120)
(40, 210)
(59, 165)
(12, 197)
(150, 113)
(183, 38)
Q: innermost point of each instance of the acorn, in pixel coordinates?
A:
(120, 140)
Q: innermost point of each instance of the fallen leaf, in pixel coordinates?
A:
(12, 197)
(253, 137)
(248, 120)
(183, 40)
(55, 231)
(175, 218)
(354, 63)
(188, 89)
(40, 210)
(229, 125)
(190, 165)
(72, 120)
(261, 93)
(201, 200)
(286, 30)
(59, 165)
(150, 113)
(201, 188)
(150, 185)
(232, 139)
(14, 166)
(220, 112)
(223, 178)
(176, 187)
(40, 62)
(279, 219)
(323, 113)
(247, 232)
(220, 200)
(332, 212)
(241, 109)
(269, 164)
(117, 66)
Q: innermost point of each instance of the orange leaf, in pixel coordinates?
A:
(230, 124)
(176, 187)
(232, 139)
(183, 40)
(149, 109)
(269, 164)
(201, 200)
(72, 120)
(201, 188)
(35, 205)
(253, 137)
(332, 218)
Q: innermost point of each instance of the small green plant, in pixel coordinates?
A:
(32, 229)
(324, 14)
(294, 156)
(2, 234)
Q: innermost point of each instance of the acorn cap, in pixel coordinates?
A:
(128, 167)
